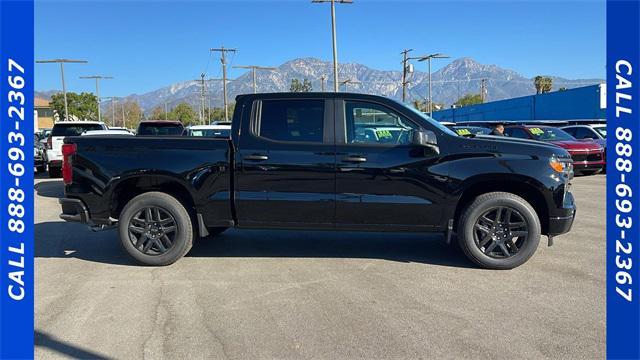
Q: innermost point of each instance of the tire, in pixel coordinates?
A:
(477, 233)
(55, 172)
(215, 231)
(40, 169)
(160, 251)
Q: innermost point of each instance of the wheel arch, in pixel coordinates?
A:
(527, 188)
(130, 187)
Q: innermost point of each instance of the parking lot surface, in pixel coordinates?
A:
(305, 294)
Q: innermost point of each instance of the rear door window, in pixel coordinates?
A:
(291, 120)
(72, 129)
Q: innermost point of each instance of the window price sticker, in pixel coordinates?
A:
(16, 179)
(623, 181)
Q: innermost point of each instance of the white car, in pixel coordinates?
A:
(109, 132)
(223, 131)
(56, 139)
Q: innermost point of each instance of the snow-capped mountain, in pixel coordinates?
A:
(460, 77)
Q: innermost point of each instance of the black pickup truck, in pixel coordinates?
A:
(331, 161)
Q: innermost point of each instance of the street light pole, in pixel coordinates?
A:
(253, 70)
(333, 34)
(428, 58)
(64, 88)
(347, 82)
(97, 78)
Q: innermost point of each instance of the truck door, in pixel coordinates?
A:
(382, 180)
(285, 164)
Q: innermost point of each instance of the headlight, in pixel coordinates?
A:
(557, 165)
(561, 166)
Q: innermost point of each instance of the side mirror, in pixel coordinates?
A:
(426, 138)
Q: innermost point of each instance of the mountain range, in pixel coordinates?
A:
(460, 77)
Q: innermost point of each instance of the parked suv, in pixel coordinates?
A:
(56, 138)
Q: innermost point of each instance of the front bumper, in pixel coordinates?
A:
(74, 210)
(562, 220)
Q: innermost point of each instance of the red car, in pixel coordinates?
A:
(588, 156)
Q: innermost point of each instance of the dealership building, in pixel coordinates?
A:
(588, 102)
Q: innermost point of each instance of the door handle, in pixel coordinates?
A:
(256, 157)
(355, 159)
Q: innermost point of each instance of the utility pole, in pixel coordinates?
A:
(405, 68)
(253, 70)
(64, 88)
(323, 78)
(124, 122)
(97, 78)
(113, 109)
(202, 98)
(483, 90)
(224, 81)
(223, 60)
(333, 33)
(428, 58)
(166, 112)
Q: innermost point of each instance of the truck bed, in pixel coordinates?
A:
(105, 168)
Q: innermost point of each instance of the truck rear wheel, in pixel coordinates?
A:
(499, 230)
(155, 229)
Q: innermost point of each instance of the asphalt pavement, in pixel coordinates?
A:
(317, 295)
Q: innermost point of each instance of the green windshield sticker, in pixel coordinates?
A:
(383, 134)
(463, 132)
(536, 131)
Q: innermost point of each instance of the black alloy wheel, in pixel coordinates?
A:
(500, 232)
(152, 230)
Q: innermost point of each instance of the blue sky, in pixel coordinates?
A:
(149, 44)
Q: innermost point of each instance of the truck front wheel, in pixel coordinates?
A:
(155, 229)
(499, 230)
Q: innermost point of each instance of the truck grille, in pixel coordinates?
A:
(596, 156)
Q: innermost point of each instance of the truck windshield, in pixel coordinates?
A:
(549, 134)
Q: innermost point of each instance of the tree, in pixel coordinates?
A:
(158, 114)
(217, 113)
(297, 86)
(83, 106)
(184, 113)
(132, 114)
(562, 88)
(543, 84)
(469, 99)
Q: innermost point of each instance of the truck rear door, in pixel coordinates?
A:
(285, 164)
